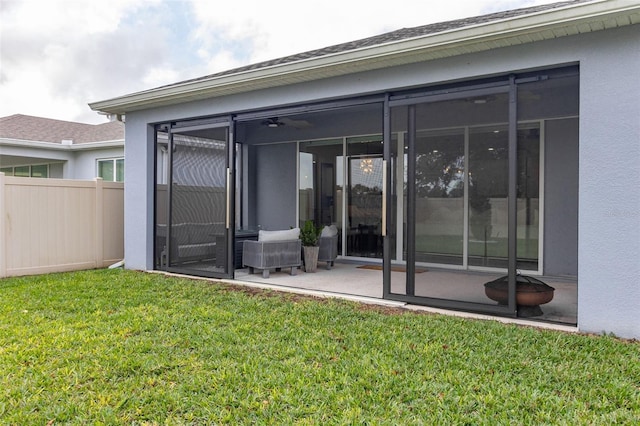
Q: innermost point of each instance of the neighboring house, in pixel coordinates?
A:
(490, 144)
(42, 147)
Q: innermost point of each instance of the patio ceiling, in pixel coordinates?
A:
(13, 160)
(576, 18)
(333, 123)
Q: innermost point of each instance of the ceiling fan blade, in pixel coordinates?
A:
(298, 124)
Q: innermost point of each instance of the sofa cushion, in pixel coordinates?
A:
(180, 233)
(284, 235)
(204, 233)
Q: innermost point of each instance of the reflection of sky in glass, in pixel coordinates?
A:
(306, 170)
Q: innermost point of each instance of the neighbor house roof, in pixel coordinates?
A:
(407, 45)
(19, 127)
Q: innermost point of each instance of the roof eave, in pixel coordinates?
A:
(553, 23)
(54, 146)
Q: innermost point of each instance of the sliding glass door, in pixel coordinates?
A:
(439, 164)
(364, 197)
(452, 193)
(325, 187)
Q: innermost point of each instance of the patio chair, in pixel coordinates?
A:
(273, 250)
(328, 245)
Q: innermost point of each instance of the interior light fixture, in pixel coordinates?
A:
(273, 122)
(366, 165)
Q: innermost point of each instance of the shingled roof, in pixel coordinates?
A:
(393, 49)
(39, 129)
(397, 35)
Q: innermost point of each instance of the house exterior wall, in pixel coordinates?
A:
(609, 202)
(85, 162)
(12, 156)
(139, 192)
(609, 218)
(56, 170)
(62, 163)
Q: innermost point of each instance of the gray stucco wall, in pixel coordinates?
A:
(65, 164)
(609, 156)
(139, 192)
(609, 216)
(12, 156)
(56, 170)
(85, 164)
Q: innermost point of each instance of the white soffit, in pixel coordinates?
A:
(83, 146)
(549, 24)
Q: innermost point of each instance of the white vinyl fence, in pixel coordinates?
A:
(56, 225)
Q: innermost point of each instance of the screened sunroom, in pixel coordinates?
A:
(474, 180)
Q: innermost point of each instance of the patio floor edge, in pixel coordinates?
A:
(383, 302)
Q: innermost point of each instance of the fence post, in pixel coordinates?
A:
(99, 222)
(3, 239)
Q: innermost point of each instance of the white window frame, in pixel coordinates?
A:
(114, 160)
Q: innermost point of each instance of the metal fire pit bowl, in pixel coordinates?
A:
(530, 294)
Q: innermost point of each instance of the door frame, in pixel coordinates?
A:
(411, 100)
(229, 230)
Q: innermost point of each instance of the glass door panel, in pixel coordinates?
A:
(488, 190)
(364, 197)
(439, 176)
(488, 187)
(320, 184)
(528, 196)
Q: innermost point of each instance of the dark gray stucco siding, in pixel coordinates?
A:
(276, 180)
(561, 197)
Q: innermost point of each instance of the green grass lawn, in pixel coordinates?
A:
(113, 346)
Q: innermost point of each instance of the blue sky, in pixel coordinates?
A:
(56, 56)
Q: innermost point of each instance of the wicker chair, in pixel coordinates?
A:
(328, 243)
(328, 251)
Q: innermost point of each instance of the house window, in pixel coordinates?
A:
(39, 171)
(111, 170)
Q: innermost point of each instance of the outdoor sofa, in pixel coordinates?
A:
(189, 241)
